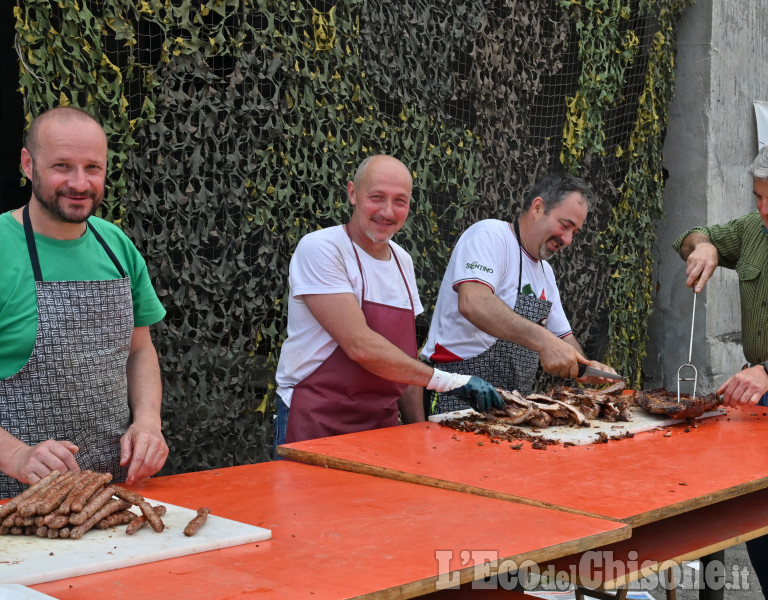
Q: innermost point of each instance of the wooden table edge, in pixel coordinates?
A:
(660, 566)
(645, 518)
(505, 565)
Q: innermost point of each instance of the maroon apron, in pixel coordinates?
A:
(340, 396)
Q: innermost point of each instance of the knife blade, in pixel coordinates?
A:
(587, 371)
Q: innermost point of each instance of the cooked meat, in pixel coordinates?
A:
(660, 401)
(568, 411)
(512, 397)
(573, 406)
(623, 405)
(541, 419)
(613, 389)
(587, 406)
(562, 406)
(515, 414)
(534, 415)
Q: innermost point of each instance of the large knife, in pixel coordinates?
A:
(587, 371)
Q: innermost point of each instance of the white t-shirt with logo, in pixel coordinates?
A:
(489, 253)
(324, 263)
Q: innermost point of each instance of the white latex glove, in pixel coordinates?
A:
(442, 381)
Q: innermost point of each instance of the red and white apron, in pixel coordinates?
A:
(340, 396)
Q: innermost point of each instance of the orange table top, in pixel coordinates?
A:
(639, 480)
(339, 535)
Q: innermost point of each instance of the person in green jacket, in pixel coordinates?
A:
(742, 245)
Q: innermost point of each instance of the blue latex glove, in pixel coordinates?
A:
(481, 393)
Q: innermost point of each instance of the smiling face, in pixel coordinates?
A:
(381, 196)
(546, 233)
(67, 169)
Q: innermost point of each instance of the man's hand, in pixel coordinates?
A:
(592, 380)
(701, 260)
(560, 358)
(143, 448)
(29, 464)
(746, 387)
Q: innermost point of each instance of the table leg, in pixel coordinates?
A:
(671, 585)
(581, 593)
(705, 592)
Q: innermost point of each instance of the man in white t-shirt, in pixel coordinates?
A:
(350, 360)
(498, 311)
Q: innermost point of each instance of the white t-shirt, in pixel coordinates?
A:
(324, 263)
(487, 252)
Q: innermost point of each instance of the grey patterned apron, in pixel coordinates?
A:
(504, 365)
(74, 385)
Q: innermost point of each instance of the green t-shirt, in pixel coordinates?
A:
(83, 259)
(742, 245)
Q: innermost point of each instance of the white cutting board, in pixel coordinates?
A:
(580, 436)
(14, 591)
(28, 560)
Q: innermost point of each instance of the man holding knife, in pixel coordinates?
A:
(498, 311)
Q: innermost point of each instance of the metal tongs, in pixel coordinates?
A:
(688, 365)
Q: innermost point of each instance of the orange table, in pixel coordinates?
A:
(340, 535)
(663, 545)
(640, 480)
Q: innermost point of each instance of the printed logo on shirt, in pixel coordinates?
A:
(528, 291)
(475, 265)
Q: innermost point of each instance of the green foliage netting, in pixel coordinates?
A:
(234, 126)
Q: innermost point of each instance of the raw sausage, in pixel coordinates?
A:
(197, 522)
(107, 509)
(85, 477)
(139, 522)
(56, 493)
(92, 507)
(94, 483)
(121, 517)
(10, 506)
(146, 510)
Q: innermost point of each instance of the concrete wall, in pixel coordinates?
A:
(711, 140)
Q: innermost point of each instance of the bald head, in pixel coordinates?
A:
(375, 162)
(65, 160)
(381, 196)
(61, 114)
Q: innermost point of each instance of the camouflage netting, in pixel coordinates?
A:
(234, 126)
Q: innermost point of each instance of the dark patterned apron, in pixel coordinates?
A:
(340, 396)
(74, 386)
(505, 365)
